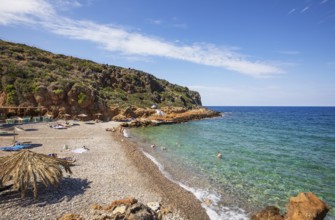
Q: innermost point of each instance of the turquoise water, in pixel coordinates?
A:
(269, 155)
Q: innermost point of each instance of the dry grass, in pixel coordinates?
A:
(26, 168)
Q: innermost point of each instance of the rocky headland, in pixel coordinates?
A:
(63, 85)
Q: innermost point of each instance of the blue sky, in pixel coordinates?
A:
(234, 52)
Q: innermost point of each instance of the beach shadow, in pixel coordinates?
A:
(68, 189)
(31, 129)
(8, 134)
(90, 123)
(35, 145)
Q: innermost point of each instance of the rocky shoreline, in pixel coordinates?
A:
(167, 116)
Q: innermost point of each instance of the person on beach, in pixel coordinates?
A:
(219, 155)
(121, 129)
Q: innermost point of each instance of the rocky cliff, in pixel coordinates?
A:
(64, 84)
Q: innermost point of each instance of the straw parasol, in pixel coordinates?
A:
(66, 116)
(98, 115)
(82, 116)
(26, 168)
(50, 115)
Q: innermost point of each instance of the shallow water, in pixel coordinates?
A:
(269, 154)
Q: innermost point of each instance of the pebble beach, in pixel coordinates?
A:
(112, 168)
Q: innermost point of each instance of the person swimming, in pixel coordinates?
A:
(219, 155)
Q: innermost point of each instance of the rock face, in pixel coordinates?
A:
(63, 84)
(305, 206)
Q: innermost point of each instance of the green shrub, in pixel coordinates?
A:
(10, 94)
(81, 97)
(58, 91)
(9, 88)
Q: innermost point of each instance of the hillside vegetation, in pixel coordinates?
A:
(64, 84)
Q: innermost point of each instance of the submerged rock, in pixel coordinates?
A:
(269, 213)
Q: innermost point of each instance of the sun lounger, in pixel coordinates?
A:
(15, 147)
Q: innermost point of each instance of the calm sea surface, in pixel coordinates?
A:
(268, 155)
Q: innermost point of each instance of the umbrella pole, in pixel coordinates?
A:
(14, 136)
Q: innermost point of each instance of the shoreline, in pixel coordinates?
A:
(218, 203)
(172, 194)
(109, 171)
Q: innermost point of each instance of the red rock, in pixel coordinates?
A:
(306, 206)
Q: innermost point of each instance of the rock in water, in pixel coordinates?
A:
(306, 206)
(269, 213)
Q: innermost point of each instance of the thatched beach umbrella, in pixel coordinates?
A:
(98, 115)
(26, 168)
(65, 116)
(50, 115)
(82, 116)
(12, 129)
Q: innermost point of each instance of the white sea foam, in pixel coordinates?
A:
(213, 210)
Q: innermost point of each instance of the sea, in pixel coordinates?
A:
(269, 154)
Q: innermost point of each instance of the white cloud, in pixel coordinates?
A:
(67, 4)
(156, 21)
(24, 11)
(180, 25)
(121, 40)
(304, 9)
(289, 52)
(290, 12)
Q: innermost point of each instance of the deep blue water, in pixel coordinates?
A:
(269, 155)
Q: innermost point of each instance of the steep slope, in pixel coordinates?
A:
(64, 84)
